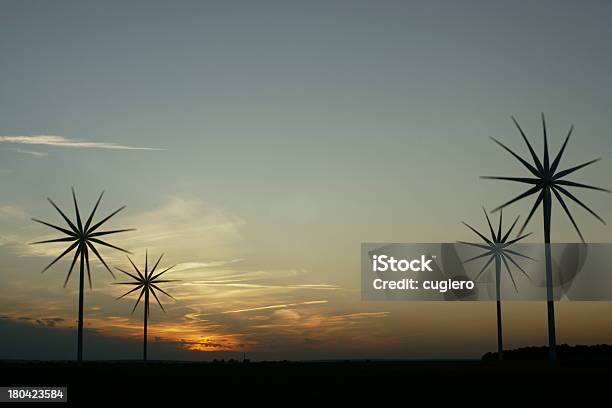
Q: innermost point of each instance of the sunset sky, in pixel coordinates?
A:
(259, 143)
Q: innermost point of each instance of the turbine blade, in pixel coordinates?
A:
(136, 268)
(580, 203)
(526, 194)
(485, 239)
(70, 248)
(536, 204)
(534, 156)
(101, 233)
(526, 180)
(546, 158)
(86, 252)
(529, 167)
(96, 226)
(66, 239)
(515, 240)
(164, 292)
(489, 222)
(517, 265)
(74, 228)
(64, 230)
(511, 228)
(162, 272)
(76, 210)
(139, 297)
(76, 256)
(99, 241)
(166, 281)
(501, 214)
(475, 245)
(557, 160)
(569, 214)
(477, 257)
(131, 291)
(97, 254)
(158, 302)
(93, 211)
(566, 172)
(129, 274)
(518, 254)
(509, 272)
(146, 271)
(484, 267)
(574, 184)
(156, 263)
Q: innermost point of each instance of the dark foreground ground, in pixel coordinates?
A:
(461, 383)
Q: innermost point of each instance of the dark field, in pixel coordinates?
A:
(457, 382)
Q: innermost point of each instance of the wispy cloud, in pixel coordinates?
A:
(185, 266)
(178, 227)
(30, 152)
(12, 212)
(226, 283)
(62, 141)
(280, 306)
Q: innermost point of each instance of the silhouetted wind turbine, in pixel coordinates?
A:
(497, 248)
(83, 237)
(147, 283)
(547, 181)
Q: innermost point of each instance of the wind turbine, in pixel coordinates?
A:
(146, 282)
(546, 181)
(497, 248)
(83, 238)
